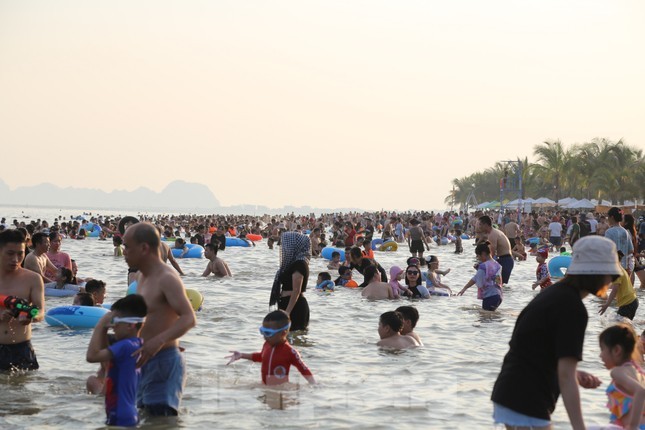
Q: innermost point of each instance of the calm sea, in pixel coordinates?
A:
(445, 384)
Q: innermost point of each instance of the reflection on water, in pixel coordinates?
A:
(445, 384)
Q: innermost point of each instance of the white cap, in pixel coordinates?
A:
(594, 255)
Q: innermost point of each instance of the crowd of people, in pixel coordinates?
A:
(606, 251)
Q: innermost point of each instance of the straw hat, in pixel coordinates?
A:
(594, 255)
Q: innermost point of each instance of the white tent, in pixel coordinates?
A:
(566, 201)
(581, 204)
(482, 205)
(543, 201)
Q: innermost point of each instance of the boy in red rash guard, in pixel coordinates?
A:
(277, 354)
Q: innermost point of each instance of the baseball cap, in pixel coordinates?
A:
(544, 252)
(594, 255)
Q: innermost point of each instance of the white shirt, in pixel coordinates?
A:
(593, 223)
(555, 228)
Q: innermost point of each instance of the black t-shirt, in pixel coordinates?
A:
(585, 228)
(365, 263)
(551, 326)
(286, 279)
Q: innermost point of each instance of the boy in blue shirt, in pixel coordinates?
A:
(126, 319)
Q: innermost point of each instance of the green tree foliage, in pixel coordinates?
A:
(599, 169)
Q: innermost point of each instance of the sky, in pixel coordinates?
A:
(369, 104)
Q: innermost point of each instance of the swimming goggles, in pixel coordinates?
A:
(128, 320)
(269, 332)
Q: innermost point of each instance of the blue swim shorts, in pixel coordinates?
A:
(504, 415)
(162, 382)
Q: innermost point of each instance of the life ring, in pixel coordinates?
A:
(326, 286)
(351, 284)
(236, 241)
(442, 241)
(126, 220)
(533, 240)
(557, 264)
(376, 243)
(67, 291)
(195, 298)
(465, 236)
(96, 231)
(75, 316)
(254, 237)
(389, 246)
(194, 251)
(328, 250)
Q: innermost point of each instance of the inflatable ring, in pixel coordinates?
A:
(533, 240)
(61, 292)
(126, 220)
(326, 285)
(195, 298)
(254, 237)
(328, 250)
(236, 241)
(194, 251)
(389, 246)
(376, 243)
(465, 236)
(75, 316)
(351, 284)
(557, 264)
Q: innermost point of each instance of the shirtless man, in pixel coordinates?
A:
(500, 247)
(170, 316)
(389, 330)
(216, 265)
(166, 255)
(314, 238)
(511, 230)
(376, 289)
(37, 260)
(16, 351)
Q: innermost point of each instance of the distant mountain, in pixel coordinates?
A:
(177, 195)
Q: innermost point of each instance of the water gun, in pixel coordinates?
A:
(17, 306)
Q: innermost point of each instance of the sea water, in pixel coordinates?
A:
(445, 384)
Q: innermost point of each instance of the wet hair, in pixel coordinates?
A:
(483, 248)
(11, 236)
(94, 285)
(432, 259)
(409, 313)
(38, 238)
(344, 269)
(54, 235)
(279, 316)
(485, 219)
(117, 240)
(334, 254)
(85, 299)
(392, 319)
(621, 335)
(132, 305)
(369, 272)
(213, 246)
(326, 276)
(67, 275)
(407, 281)
(356, 252)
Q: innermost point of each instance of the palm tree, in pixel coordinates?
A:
(553, 161)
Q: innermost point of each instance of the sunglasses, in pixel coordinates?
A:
(412, 272)
(269, 332)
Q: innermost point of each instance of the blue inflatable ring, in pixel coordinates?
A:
(194, 251)
(75, 316)
(328, 250)
(556, 264)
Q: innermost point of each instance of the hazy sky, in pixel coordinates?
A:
(371, 104)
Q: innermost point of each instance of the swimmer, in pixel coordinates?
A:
(118, 246)
(488, 279)
(97, 289)
(542, 273)
(389, 329)
(410, 317)
(335, 261)
(83, 299)
(216, 265)
(37, 260)
(376, 289)
(396, 275)
(277, 354)
(324, 277)
(345, 276)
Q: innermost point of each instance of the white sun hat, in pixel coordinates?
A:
(594, 255)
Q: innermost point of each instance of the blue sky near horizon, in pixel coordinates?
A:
(365, 104)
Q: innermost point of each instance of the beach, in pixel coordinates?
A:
(444, 384)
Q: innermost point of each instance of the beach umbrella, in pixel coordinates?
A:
(493, 204)
(482, 205)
